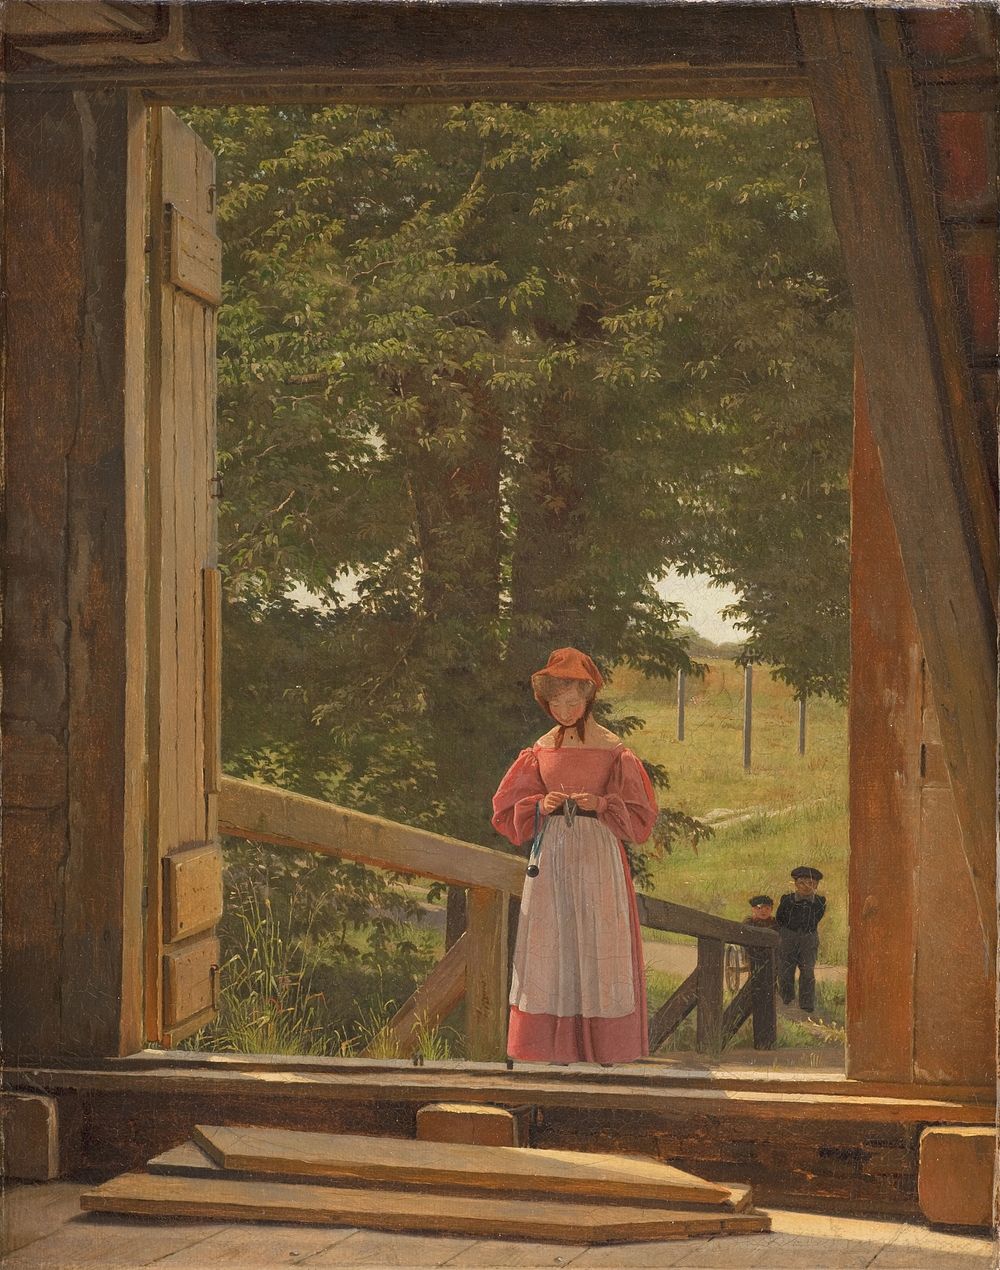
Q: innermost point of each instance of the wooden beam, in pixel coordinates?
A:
(681, 920)
(673, 1012)
(74, 632)
(445, 34)
(263, 813)
(709, 972)
(923, 421)
(486, 974)
(434, 999)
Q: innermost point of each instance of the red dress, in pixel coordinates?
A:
(578, 992)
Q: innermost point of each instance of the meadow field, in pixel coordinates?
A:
(787, 810)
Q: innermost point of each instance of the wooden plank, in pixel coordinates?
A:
(263, 813)
(679, 918)
(486, 974)
(673, 1012)
(223, 1198)
(188, 982)
(710, 975)
(195, 259)
(358, 1158)
(192, 891)
(884, 777)
(186, 1160)
(212, 606)
(737, 1012)
(434, 999)
(201, 408)
(189, 415)
(922, 425)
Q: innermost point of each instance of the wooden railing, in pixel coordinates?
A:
(716, 1024)
(476, 966)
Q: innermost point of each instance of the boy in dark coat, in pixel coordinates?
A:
(799, 915)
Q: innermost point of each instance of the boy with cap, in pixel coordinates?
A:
(761, 911)
(798, 917)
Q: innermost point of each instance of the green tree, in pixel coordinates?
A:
(486, 372)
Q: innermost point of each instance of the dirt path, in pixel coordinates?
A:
(680, 959)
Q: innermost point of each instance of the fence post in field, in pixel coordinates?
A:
(802, 724)
(681, 683)
(747, 714)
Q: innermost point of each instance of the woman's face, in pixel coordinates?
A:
(569, 704)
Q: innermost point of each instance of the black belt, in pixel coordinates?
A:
(591, 815)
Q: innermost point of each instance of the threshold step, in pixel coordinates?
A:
(360, 1158)
(231, 1199)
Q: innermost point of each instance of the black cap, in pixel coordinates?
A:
(805, 871)
(760, 899)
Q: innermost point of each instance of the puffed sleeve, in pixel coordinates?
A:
(629, 805)
(514, 802)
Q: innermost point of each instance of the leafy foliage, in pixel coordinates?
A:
(486, 371)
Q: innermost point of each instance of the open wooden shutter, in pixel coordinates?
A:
(185, 887)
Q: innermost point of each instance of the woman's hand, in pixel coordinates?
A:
(552, 802)
(586, 802)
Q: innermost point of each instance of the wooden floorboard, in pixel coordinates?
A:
(809, 1241)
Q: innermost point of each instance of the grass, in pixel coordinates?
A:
(795, 807)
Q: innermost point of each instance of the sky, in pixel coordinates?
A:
(703, 601)
(698, 595)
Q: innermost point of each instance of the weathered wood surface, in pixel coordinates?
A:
(239, 1200)
(666, 915)
(354, 1158)
(73, 604)
(955, 1176)
(263, 813)
(323, 51)
(709, 1020)
(885, 778)
(911, 900)
(434, 999)
(193, 891)
(486, 986)
(473, 1125)
(184, 727)
(115, 1120)
(673, 1011)
(920, 423)
(763, 972)
(398, 1082)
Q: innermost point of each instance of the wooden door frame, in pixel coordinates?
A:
(449, 52)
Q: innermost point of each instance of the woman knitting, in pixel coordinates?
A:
(578, 991)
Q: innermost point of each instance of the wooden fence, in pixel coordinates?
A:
(476, 967)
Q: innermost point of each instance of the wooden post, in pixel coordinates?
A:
(710, 968)
(73, 658)
(681, 683)
(802, 724)
(763, 972)
(921, 405)
(486, 974)
(747, 714)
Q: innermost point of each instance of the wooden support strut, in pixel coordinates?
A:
(922, 417)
